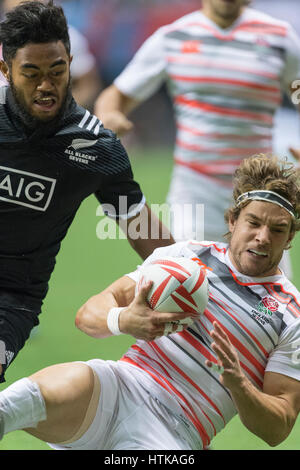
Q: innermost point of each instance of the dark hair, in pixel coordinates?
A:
(269, 173)
(33, 22)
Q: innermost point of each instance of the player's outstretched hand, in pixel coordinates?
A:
(141, 322)
(229, 367)
(117, 122)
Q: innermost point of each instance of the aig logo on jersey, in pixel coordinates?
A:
(26, 189)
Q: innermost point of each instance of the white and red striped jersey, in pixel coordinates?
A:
(225, 84)
(261, 316)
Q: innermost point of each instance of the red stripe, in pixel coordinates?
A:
(187, 336)
(220, 250)
(168, 263)
(264, 31)
(190, 60)
(221, 151)
(213, 31)
(263, 28)
(248, 283)
(219, 303)
(283, 300)
(182, 305)
(265, 284)
(227, 81)
(142, 352)
(171, 264)
(181, 290)
(158, 292)
(200, 280)
(224, 111)
(293, 310)
(215, 179)
(193, 416)
(180, 277)
(237, 344)
(209, 169)
(287, 293)
(203, 434)
(275, 294)
(187, 378)
(218, 135)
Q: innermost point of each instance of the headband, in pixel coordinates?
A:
(268, 196)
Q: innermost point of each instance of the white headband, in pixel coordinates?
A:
(268, 196)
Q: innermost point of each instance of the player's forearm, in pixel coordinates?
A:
(266, 416)
(146, 247)
(112, 108)
(111, 99)
(146, 232)
(91, 318)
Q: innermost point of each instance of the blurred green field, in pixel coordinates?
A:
(85, 265)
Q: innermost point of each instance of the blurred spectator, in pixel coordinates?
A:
(86, 82)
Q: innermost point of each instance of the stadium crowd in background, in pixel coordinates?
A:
(224, 109)
(54, 154)
(177, 390)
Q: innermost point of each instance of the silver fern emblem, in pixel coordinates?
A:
(82, 143)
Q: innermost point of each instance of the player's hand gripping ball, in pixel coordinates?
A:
(179, 285)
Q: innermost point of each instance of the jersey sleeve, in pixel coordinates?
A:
(119, 194)
(146, 72)
(285, 358)
(291, 70)
(176, 250)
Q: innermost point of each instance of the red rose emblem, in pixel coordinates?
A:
(270, 304)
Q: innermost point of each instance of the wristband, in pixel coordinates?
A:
(113, 320)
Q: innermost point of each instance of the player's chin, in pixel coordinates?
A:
(43, 113)
(44, 117)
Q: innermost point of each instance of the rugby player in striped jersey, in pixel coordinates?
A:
(178, 390)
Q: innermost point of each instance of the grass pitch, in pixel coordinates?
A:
(85, 265)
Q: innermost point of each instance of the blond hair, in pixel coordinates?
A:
(262, 172)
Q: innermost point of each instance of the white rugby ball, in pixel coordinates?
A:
(179, 285)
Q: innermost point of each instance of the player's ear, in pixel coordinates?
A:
(71, 58)
(231, 222)
(4, 69)
(291, 236)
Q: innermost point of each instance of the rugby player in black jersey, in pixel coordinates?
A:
(53, 154)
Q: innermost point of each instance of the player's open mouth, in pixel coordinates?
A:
(258, 254)
(45, 104)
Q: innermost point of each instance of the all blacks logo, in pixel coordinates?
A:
(26, 189)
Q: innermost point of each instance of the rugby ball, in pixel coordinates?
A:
(179, 285)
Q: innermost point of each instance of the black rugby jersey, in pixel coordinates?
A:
(44, 177)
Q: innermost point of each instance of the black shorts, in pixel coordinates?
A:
(16, 324)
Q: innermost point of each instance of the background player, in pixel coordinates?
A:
(224, 108)
(54, 154)
(164, 393)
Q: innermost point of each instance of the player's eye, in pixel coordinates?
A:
(253, 223)
(30, 75)
(58, 73)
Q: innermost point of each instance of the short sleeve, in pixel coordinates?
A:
(119, 194)
(285, 358)
(291, 70)
(146, 72)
